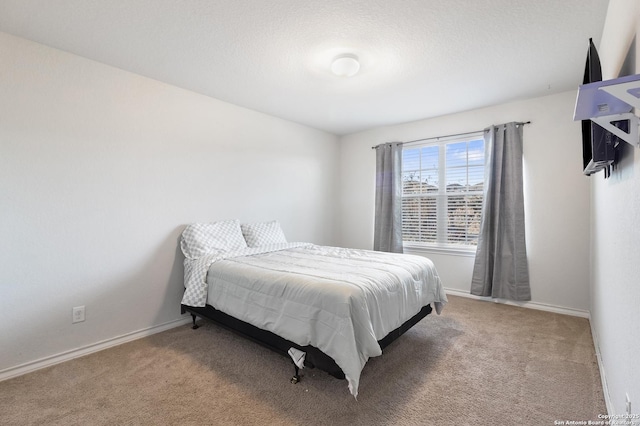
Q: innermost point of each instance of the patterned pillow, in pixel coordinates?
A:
(262, 234)
(199, 239)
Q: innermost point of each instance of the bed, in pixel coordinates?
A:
(328, 307)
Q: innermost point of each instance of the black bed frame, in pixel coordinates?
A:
(315, 358)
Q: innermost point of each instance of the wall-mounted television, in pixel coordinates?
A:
(598, 145)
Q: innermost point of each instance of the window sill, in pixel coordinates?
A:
(453, 251)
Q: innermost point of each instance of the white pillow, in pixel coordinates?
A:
(262, 234)
(199, 239)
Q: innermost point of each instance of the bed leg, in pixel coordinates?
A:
(195, 326)
(296, 378)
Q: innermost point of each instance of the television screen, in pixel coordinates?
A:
(597, 144)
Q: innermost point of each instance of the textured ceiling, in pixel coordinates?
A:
(419, 58)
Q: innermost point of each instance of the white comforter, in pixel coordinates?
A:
(341, 301)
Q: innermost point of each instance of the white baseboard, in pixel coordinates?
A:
(530, 305)
(29, 367)
(115, 341)
(603, 379)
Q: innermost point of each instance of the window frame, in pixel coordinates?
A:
(442, 216)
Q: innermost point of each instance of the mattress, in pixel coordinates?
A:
(341, 301)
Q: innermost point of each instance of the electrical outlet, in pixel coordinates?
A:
(78, 314)
(628, 404)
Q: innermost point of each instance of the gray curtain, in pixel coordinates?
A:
(501, 269)
(387, 235)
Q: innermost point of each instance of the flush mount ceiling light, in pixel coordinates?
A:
(346, 65)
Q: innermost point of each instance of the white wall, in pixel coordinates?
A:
(101, 169)
(615, 287)
(556, 193)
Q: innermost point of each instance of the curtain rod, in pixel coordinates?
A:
(450, 136)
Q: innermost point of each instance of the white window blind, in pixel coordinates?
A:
(442, 190)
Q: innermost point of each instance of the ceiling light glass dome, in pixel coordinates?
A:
(346, 65)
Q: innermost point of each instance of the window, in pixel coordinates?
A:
(442, 191)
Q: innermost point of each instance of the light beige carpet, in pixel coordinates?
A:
(478, 363)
